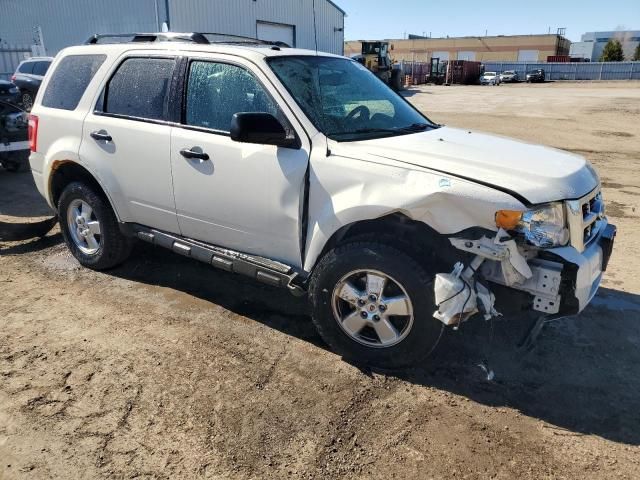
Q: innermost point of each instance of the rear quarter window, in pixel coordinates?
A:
(70, 79)
(26, 67)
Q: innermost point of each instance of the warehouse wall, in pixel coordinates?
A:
(507, 48)
(71, 22)
(240, 17)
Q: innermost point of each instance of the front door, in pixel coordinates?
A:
(127, 143)
(242, 196)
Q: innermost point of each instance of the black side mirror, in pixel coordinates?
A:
(262, 128)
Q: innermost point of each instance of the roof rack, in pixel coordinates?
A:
(149, 37)
(192, 37)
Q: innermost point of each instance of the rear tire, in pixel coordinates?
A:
(90, 228)
(342, 324)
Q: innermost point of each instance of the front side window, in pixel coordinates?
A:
(70, 80)
(344, 100)
(140, 88)
(216, 91)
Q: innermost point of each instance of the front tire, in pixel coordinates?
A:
(374, 304)
(90, 228)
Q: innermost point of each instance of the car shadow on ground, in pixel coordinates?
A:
(581, 378)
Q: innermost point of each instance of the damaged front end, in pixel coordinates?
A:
(465, 291)
(553, 257)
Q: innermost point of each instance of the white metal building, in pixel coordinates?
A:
(71, 22)
(592, 44)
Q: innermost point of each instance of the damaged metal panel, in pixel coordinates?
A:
(344, 190)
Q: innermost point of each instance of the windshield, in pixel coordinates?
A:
(344, 100)
(490, 74)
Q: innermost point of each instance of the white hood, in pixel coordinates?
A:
(537, 173)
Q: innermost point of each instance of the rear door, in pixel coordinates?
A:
(246, 197)
(126, 140)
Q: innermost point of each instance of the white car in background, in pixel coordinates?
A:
(489, 78)
(302, 170)
(509, 76)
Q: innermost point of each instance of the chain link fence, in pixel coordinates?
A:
(572, 71)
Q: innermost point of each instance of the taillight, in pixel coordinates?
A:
(13, 78)
(32, 131)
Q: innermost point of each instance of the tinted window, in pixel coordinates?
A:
(216, 91)
(26, 67)
(70, 80)
(139, 88)
(40, 68)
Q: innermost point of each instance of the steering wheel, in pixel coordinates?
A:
(361, 111)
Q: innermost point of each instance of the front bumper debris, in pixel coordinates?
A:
(560, 281)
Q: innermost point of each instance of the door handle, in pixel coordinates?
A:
(190, 153)
(101, 135)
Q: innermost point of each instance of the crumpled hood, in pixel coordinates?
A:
(539, 174)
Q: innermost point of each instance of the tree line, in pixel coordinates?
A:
(613, 52)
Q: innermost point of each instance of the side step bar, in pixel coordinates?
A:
(262, 269)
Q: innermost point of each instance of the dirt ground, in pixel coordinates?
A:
(165, 368)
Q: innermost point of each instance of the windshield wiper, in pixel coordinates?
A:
(415, 127)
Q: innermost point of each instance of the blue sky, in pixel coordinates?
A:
(372, 19)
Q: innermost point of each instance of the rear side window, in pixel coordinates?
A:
(139, 88)
(70, 80)
(40, 68)
(26, 67)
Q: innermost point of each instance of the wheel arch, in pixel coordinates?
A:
(416, 238)
(64, 172)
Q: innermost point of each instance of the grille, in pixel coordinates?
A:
(585, 218)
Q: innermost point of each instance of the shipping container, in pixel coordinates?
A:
(463, 72)
(559, 58)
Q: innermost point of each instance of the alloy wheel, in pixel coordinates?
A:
(372, 308)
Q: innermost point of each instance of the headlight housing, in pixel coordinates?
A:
(543, 226)
(14, 90)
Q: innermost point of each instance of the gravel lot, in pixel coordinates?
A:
(165, 368)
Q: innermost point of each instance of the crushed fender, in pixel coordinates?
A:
(459, 294)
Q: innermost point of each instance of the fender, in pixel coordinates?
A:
(345, 190)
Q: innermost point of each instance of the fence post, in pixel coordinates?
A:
(631, 72)
(601, 65)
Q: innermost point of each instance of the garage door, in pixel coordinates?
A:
(441, 55)
(527, 55)
(462, 55)
(277, 32)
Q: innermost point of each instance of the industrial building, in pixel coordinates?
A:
(592, 44)
(69, 22)
(530, 48)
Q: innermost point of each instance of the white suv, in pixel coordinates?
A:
(305, 171)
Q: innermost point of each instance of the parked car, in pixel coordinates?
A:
(303, 171)
(536, 76)
(509, 76)
(14, 145)
(28, 77)
(489, 78)
(9, 92)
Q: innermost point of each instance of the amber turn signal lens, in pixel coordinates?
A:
(508, 219)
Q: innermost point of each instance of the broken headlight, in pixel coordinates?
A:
(543, 226)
